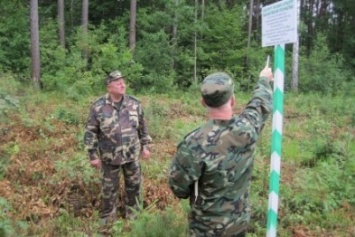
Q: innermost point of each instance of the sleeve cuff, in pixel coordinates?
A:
(93, 155)
(145, 147)
(264, 79)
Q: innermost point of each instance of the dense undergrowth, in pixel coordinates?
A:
(47, 187)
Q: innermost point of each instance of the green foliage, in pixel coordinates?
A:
(316, 176)
(156, 115)
(154, 51)
(76, 168)
(222, 40)
(53, 56)
(157, 63)
(68, 70)
(9, 150)
(7, 103)
(66, 224)
(8, 227)
(340, 32)
(154, 223)
(174, 115)
(153, 169)
(65, 70)
(248, 69)
(14, 51)
(67, 116)
(322, 183)
(322, 71)
(8, 100)
(161, 59)
(220, 44)
(109, 51)
(323, 186)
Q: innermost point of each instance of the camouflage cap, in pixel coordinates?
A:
(113, 76)
(217, 88)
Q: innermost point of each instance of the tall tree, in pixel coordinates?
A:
(61, 22)
(35, 56)
(251, 4)
(132, 25)
(85, 23)
(175, 30)
(340, 30)
(202, 9)
(195, 44)
(295, 54)
(71, 14)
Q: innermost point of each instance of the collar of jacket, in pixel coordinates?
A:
(109, 101)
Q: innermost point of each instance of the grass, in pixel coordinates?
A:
(49, 189)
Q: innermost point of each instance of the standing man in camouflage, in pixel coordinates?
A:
(116, 136)
(213, 164)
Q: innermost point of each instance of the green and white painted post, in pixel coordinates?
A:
(279, 72)
(279, 27)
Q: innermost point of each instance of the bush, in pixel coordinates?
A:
(322, 71)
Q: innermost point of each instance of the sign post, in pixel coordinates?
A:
(279, 27)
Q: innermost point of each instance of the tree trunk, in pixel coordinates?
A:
(295, 55)
(310, 26)
(257, 8)
(195, 45)
(250, 21)
(250, 26)
(61, 22)
(35, 55)
(85, 23)
(71, 15)
(132, 25)
(202, 9)
(175, 30)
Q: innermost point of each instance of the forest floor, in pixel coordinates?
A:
(39, 183)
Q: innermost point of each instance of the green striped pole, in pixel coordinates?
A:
(279, 69)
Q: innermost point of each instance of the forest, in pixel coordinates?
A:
(54, 56)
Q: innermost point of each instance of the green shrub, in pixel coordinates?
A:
(322, 72)
(67, 116)
(76, 168)
(154, 223)
(7, 226)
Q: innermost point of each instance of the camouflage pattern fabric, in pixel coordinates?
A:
(217, 88)
(116, 135)
(219, 156)
(110, 187)
(113, 76)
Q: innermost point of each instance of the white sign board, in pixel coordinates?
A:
(279, 23)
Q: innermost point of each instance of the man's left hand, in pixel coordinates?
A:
(145, 153)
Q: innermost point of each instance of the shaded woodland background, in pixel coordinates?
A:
(163, 44)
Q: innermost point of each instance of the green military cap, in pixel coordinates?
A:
(217, 89)
(113, 76)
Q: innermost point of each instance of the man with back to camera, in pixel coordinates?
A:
(213, 164)
(116, 136)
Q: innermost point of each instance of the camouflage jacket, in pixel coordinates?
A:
(219, 156)
(116, 135)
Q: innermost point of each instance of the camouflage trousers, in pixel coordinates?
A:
(211, 229)
(110, 187)
(228, 233)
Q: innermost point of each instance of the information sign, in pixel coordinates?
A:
(279, 23)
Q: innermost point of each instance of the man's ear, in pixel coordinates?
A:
(232, 100)
(108, 88)
(203, 102)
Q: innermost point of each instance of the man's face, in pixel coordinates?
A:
(117, 87)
